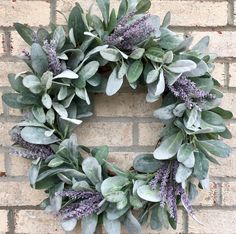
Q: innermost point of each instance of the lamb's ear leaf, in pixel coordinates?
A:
(104, 6)
(143, 6)
(76, 22)
(25, 32)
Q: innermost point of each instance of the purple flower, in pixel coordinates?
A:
(87, 202)
(126, 36)
(54, 64)
(170, 189)
(188, 92)
(29, 150)
(26, 54)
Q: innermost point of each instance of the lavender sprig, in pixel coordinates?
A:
(126, 36)
(29, 150)
(170, 189)
(54, 64)
(189, 93)
(88, 204)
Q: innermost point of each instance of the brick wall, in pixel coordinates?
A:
(124, 121)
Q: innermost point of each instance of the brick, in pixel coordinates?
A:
(17, 44)
(10, 67)
(221, 42)
(226, 168)
(149, 133)
(14, 112)
(228, 102)
(123, 159)
(19, 194)
(193, 13)
(3, 221)
(111, 134)
(124, 104)
(219, 73)
(1, 104)
(36, 222)
(34, 13)
(232, 141)
(2, 162)
(232, 75)
(1, 44)
(229, 194)
(5, 139)
(207, 197)
(215, 222)
(19, 166)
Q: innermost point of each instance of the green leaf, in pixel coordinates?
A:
(131, 224)
(67, 74)
(202, 45)
(169, 147)
(201, 166)
(155, 223)
(115, 197)
(113, 213)
(182, 173)
(80, 185)
(113, 184)
(168, 57)
(25, 32)
(201, 69)
(39, 114)
(166, 20)
(135, 71)
(160, 88)
(56, 162)
(69, 225)
(59, 37)
(152, 76)
(146, 163)
(137, 53)
(76, 23)
(186, 155)
(34, 172)
(47, 101)
(143, 6)
(89, 224)
(165, 113)
(104, 6)
(30, 81)
(123, 8)
(39, 59)
(92, 170)
(123, 70)
(89, 70)
(182, 66)
(101, 154)
(114, 83)
(11, 99)
(155, 54)
(63, 92)
(223, 113)
(148, 194)
(215, 147)
(16, 82)
(37, 136)
(60, 109)
(112, 21)
(82, 93)
(110, 54)
(111, 226)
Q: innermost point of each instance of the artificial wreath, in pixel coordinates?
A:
(91, 55)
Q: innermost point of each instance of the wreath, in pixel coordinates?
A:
(92, 55)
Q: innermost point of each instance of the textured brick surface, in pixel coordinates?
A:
(27, 12)
(10, 67)
(229, 194)
(193, 13)
(149, 133)
(124, 104)
(215, 222)
(136, 127)
(2, 162)
(222, 42)
(3, 221)
(1, 43)
(111, 134)
(19, 194)
(36, 222)
(232, 73)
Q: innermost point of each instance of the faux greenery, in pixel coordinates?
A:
(91, 55)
